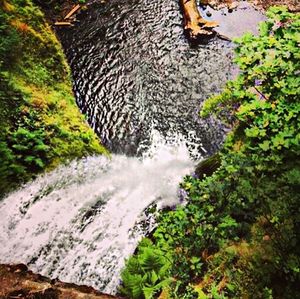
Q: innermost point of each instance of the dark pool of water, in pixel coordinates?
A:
(134, 73)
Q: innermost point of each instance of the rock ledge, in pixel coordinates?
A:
(17, 281)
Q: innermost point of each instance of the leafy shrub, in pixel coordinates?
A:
(239, 234)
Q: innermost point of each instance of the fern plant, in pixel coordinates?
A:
(146, 273)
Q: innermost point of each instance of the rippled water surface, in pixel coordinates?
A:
(134, 71)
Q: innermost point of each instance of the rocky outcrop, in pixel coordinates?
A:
(16, 281)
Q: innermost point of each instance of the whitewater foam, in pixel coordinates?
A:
(79, 222)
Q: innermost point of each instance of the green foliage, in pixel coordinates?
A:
(147, 273)
(239, 234)
(40, 123)
(9, 40)
(269, 64)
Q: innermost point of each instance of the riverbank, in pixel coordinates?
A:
(293, 5)
(60, 10)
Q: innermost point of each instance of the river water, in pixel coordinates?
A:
(140, 85)
(135, 72)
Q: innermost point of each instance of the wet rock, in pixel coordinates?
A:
(233, 6)
(17, 281)
(208, 166)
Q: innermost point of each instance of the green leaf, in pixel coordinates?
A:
(265, 145)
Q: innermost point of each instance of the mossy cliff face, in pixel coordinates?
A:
(41, 125)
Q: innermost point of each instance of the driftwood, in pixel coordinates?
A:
(62, 23)
(194, 25)
(68, 18)
(74, 9)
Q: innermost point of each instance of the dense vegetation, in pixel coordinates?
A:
(40, 123)
(239, 234)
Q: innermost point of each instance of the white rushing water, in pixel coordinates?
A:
(79, 222)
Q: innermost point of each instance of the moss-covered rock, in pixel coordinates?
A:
(208, 166)
(41, 125)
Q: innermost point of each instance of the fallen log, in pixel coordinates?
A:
(62, 23)
(195, 26)
(73, 10)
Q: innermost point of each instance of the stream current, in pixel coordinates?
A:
(140, 85)
(134, 72)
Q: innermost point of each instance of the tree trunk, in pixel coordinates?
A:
(195, 26)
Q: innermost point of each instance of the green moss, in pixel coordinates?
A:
(41, 125)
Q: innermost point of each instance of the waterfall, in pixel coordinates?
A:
(79, 222)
